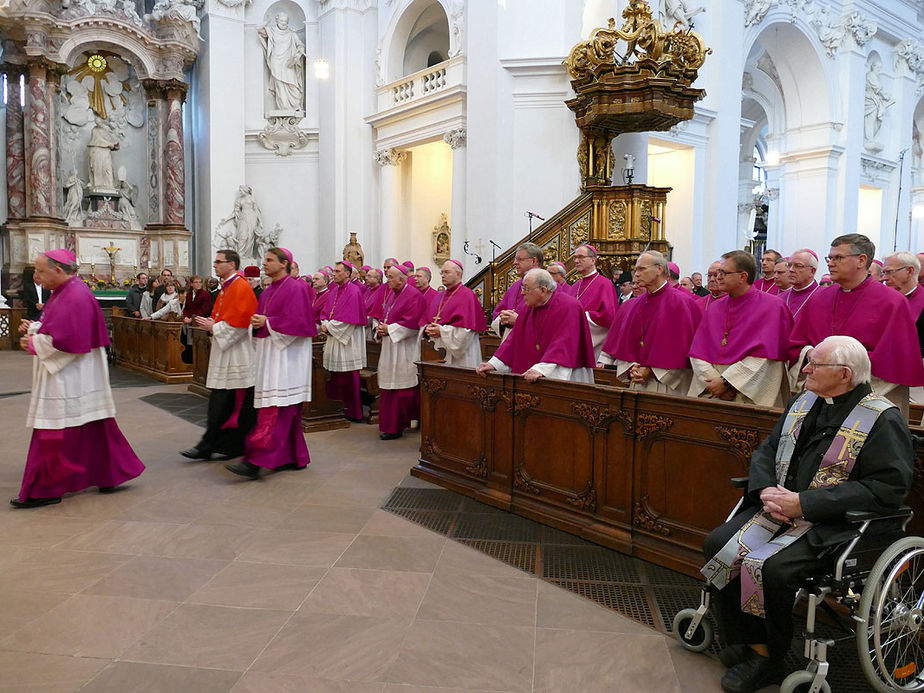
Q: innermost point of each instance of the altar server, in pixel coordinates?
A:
(550, 339)
(458, 320)
(650, 339)
(596, 295)
(860, 307)
(282, 327)
(75, 440)
(231, 374)
(802, 267)
(739, 350)
(343, 321)
(526, 257)
(399, 330)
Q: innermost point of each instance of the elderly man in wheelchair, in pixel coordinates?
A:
(837, 464)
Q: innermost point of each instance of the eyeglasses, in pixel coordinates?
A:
(581, 257)
(639, 268)
(798, 266)
(890, 272)
(837, 258)
(220, 262)
(814, 364)
(526, 289)
(722, 273)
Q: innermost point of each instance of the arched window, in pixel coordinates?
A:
(428, 41)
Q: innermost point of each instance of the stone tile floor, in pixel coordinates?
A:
(193, 580)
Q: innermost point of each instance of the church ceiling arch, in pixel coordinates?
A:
(410, 18)
(146, 63)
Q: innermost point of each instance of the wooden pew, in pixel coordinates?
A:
(645, 474)
(150, 346)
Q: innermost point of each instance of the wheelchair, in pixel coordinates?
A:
(881, 601)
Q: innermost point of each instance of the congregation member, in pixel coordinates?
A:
(802, 267)
(198, 302)
(76, 442)
(875, 271)
(321, 284)
(166, 275)
(560, 274)
(550, 339)
(458, 321)
(698, 287)
(213, 287)
(343, 321)
(713, 291)
(526, 257)
(625, 292)
(231, 372)
(399, 330)
(34, 295)
(739, 350)
(133, 297)
(803, 479)
(765, 282)
(781, 276)
(860, 307)
(147, 298)
(283, 326)
(596, 295)
(422, 278)
(170, 303)
(650, 340)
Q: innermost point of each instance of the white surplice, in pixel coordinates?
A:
(283, 370)
(552, 371)
(400, 349)
(345, 348)
(757, 380)
(231, 358)
(597, 335)
(665, 381)
(462, 346)
(67, 389)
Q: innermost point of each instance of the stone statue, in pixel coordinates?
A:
(917, 150)
(877, 101)
(178, 10)
(247, 226)
(353, 252)
(267, 240)
(676, 12)
(284, 53)
(127, 201)
(73, 203)
(755, 10)
(99, 155)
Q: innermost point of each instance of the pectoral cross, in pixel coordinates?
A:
(725, 339)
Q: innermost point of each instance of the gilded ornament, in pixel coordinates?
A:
(616, 221)
(579, 231)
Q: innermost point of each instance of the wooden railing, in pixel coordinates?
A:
(150, 346)
(645, 474)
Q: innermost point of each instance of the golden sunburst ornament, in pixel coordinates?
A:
(97, 63)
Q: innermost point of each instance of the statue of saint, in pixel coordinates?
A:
(99, 155)
(877, 101)
(73, 203)
(285, 57)
(127, 200)
(248, 226)
(353, 252)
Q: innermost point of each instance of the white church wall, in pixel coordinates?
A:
(428, 193)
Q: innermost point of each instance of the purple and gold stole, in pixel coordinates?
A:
(760, 537)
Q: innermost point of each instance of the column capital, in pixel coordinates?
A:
(456, 138)
(156, 89)
(390, 157)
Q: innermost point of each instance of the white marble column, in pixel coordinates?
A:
(390, 202)
(457, 140)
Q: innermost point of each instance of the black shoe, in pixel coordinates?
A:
(34, 502)
(196, 454)
(350, 418)
(292, 466)
(390, 436)
(751, 675)
(734, 655)
(109, 489)
(244, 468)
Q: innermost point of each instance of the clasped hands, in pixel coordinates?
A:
(432, 330)
(23, 329)
(530, 376)
(719, 389)
(257, 321)
(205, 323)
(782, 504)
(507, 317)
(381, 329)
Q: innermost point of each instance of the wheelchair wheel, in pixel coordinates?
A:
(702, 636)
(890, 638)
(801, 682)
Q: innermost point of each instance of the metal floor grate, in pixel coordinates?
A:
(642, 591)
(186, 405)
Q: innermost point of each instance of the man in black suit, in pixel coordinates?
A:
(33, 295)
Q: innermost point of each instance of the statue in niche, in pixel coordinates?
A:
(441, 240)
(73, 202)
(284, 53)
(246, 227)
(353, 251)
(127, 200)
(99, 155)
(877, 102)
(676, 12)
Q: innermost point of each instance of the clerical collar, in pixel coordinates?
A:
(224, 282)
(913, 290)
(804, 288)
(858, 393)
(858, 287)
(660, 288)
(588, 276)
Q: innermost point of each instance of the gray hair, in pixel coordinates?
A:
(659, 260)
(533, 250)
(907, 259)
(859, 245)
(542, 279)
(847, 351)
(813, 257)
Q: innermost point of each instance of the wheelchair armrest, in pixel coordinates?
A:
(739, 482)
(859, 516)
